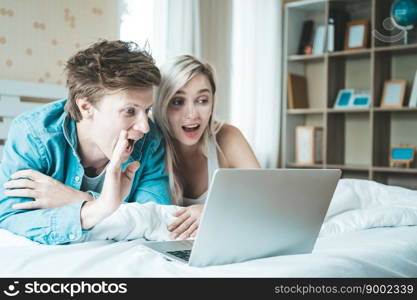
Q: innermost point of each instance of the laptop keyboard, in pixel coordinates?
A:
(184, 254)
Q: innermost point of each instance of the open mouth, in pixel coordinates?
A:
(130, 145)
(191, 128)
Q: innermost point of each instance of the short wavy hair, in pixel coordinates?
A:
(107, 66)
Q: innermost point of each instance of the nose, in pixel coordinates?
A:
(141, 123)
(190, 110)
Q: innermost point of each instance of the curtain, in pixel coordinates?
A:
(176, 29)
(256, 78)
(216, 36)
(242, 40)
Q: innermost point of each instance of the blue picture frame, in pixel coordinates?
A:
(362, 100)
(344, 99)
(402, 155)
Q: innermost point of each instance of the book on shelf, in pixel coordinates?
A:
(297, 91)
(340, 19)
(305, 38)
(319, 40)
(330, 35)
(413, 95)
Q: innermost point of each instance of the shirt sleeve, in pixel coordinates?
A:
(47, 226)
(153, 185)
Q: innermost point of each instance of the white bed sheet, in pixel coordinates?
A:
(370, 231)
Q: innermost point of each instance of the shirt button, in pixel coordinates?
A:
(71, 236)
(77, 178)
(54, 236)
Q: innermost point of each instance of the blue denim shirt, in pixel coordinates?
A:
(45, 140)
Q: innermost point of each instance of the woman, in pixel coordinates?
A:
(196, 143)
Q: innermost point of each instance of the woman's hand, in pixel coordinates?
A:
(46, 191)
(116, 186)
(187, 223)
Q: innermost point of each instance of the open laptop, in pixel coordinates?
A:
(254, 213)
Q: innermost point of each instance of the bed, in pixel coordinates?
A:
(370, 230)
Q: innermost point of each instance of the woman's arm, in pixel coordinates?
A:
(237, 151)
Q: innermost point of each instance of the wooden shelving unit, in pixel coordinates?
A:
(357, 141)
(303, 111)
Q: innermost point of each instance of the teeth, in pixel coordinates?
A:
(191, 126)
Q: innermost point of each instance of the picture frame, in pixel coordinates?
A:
(308, 144)
(413, 96)
(361, 100)
(344, 99)
(402, 155)
(357, 35)
(393, 93)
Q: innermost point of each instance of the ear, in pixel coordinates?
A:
(85, 107)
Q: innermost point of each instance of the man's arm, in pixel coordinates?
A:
(47, 226)
(153, 187)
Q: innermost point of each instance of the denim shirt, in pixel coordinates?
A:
(45, 140)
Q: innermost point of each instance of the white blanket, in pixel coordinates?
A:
(363, 204)
(369, 231)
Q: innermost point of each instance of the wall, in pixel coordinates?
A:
(37, 37)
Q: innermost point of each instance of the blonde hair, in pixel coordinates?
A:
(174, 75)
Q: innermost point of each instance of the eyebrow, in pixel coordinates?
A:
(137, 105)
(199, 92)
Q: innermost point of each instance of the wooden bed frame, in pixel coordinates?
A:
(17, 97)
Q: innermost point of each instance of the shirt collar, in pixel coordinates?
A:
(70, 132)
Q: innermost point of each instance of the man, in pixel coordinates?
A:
(71, 163)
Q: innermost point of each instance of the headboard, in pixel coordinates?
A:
(17, 97)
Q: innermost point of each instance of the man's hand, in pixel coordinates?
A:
(116, 186)
(187, 223)
(46, 191)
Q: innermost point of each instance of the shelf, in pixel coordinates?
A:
(395, 109)
(305, 111)
(397, 48)
(361, 168)
(311, 166)
(359, 52)
(348, 110)
(298, 111)
(349, 167)
(395, 170)
(306, 57)
(307, 5)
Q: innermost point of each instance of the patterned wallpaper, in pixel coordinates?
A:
(38, 36)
